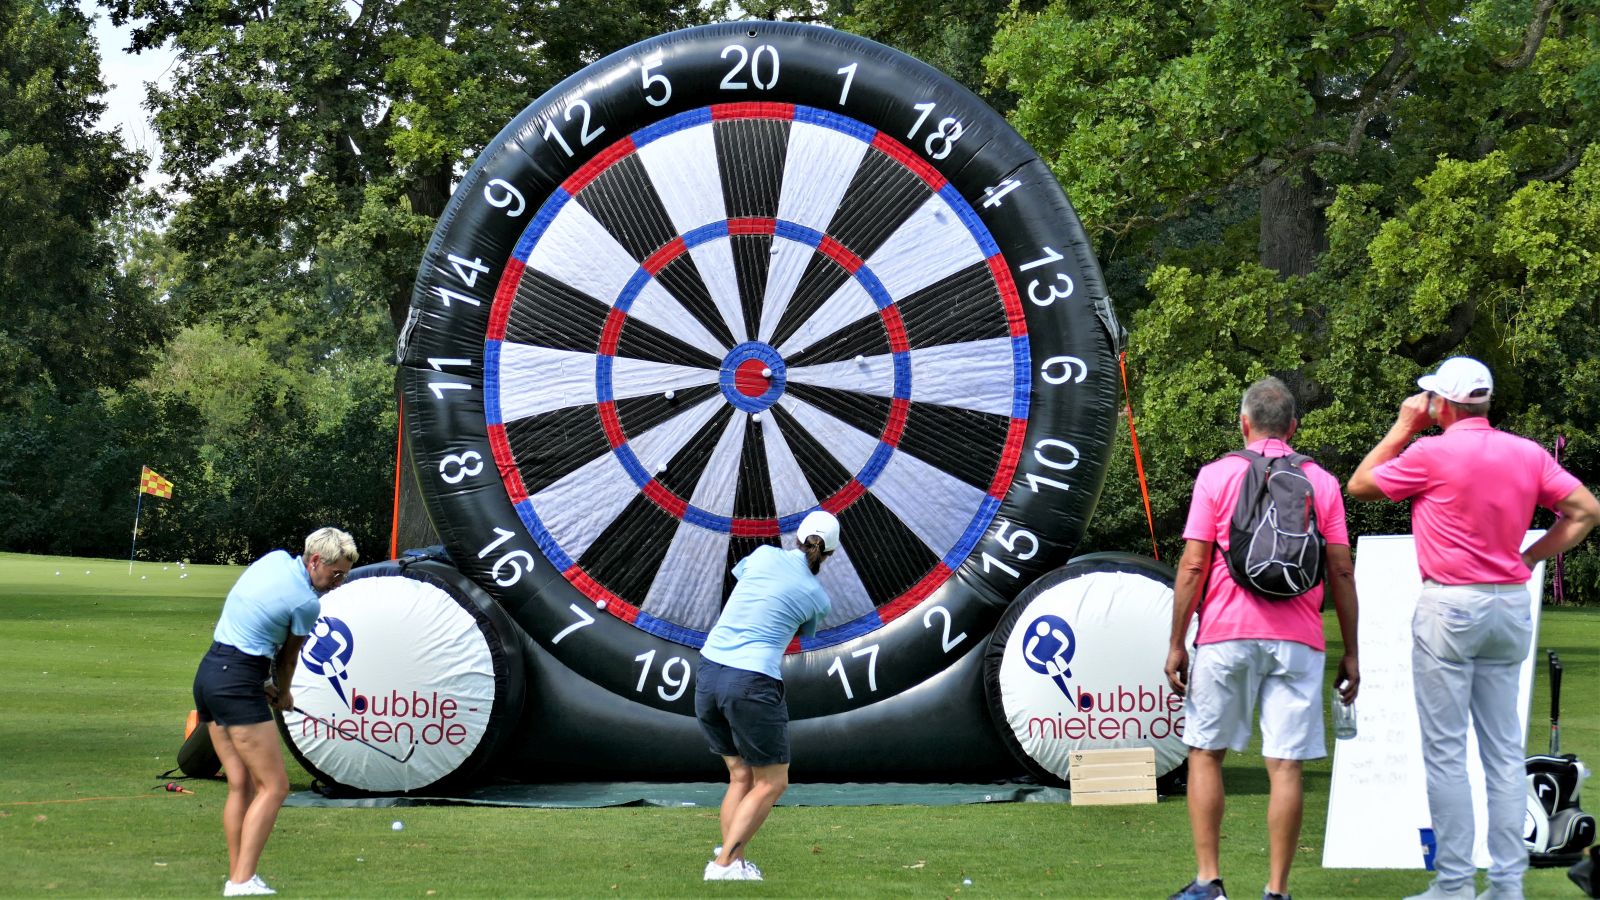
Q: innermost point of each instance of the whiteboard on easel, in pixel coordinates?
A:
(1378, 800)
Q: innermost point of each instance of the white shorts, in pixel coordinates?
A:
(1225, 679)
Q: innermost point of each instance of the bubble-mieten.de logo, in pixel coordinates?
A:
(328, 651)
(394, 716)
(1113, 712)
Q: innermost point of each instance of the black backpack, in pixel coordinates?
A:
(1275, 550)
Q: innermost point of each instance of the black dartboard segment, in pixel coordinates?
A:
(726, 277)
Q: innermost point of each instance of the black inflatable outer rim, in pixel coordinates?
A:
(505, 651)
(994, 653)
(447, 422)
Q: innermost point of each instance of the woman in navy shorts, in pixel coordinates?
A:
(246, 673)
(738, 694)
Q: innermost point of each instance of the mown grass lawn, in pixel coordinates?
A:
(95, 667)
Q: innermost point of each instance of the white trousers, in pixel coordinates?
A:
(1469, 642)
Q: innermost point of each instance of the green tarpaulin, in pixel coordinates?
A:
(639, 793)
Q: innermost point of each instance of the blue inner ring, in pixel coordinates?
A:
(738, 356)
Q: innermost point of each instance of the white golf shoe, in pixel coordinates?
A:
(255, 887)
(734, 871)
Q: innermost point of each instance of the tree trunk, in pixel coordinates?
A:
(1293, 227)
(428, 194)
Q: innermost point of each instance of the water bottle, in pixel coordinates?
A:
(1344, 719)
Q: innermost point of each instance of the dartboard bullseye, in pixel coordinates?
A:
(726, 277)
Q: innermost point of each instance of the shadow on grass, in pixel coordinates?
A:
(1245, 775)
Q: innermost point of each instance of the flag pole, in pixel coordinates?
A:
(137, 506)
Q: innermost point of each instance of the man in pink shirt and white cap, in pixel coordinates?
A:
(1473, 490)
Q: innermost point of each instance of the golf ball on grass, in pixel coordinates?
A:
(398, 825)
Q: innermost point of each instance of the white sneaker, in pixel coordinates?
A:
(255, 887)
(734, 871)
(749, 866)
(1435, 892)
(1493, 893)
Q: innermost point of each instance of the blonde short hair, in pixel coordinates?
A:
(332, 545)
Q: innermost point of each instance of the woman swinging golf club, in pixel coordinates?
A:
(738, 695)
(246, 672)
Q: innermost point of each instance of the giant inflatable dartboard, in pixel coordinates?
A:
(730, 275)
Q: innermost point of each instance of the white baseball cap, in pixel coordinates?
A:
(1461, 379)
(821, 523)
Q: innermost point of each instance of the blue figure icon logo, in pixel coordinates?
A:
(327, 653)
(1048, 650)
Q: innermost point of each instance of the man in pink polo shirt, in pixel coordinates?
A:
(1250, 647)
(1473, 490)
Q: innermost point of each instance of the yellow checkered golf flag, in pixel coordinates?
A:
(151, 483)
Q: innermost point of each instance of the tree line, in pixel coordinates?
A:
(1338, 192)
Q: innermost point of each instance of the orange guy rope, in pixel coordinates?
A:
(1138, 461)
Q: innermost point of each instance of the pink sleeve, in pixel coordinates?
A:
(1330, 511)
(1406, 475)
(1202, 523)
(1555, 483)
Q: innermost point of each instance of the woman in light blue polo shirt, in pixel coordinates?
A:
(738, 694)
(246, 672)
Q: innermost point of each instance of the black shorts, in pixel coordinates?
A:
(228, 687)
(742, 713)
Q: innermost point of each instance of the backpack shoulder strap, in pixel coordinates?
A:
(1297, 460)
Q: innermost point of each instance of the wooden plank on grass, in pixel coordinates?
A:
(1107, 777)
(1114, 798)
(1125, 783)
(1115, 770)
(1106, 757)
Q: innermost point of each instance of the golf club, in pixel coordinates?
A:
(1555, 703)
(331, 727)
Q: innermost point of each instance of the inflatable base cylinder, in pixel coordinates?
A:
(406, 682)
(576, 730)
(1078, 663)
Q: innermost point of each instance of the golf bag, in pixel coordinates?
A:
(196, 758)
(1555, 830)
